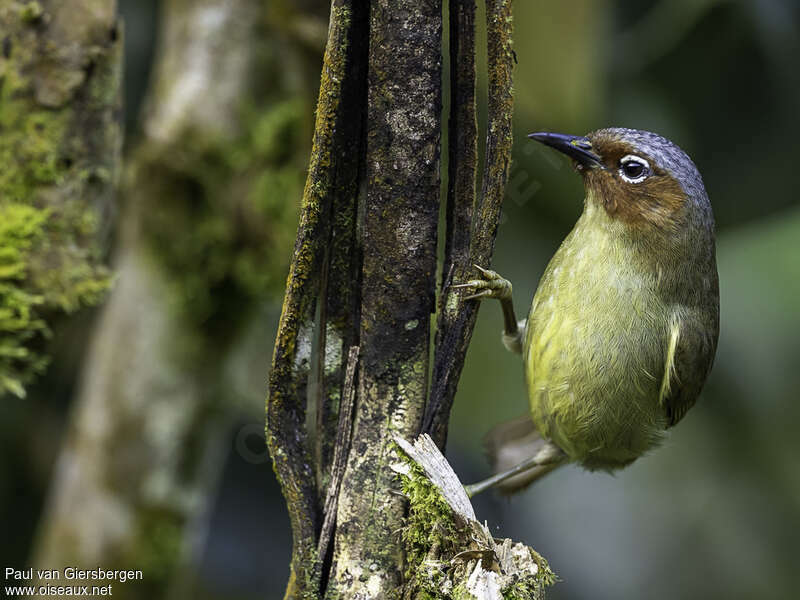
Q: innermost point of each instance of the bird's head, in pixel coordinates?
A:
(638, 177)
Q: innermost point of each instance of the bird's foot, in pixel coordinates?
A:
(490, 285)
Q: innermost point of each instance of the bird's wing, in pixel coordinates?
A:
(691, 345)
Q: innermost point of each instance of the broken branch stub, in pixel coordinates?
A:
(449, 553)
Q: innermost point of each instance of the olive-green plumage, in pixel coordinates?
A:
(623, 327)
(599, 352)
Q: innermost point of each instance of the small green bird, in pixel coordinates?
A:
(623, 327)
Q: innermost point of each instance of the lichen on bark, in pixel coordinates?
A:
(60, 74)
(397, 287)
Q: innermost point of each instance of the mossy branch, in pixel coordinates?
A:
(449, 553)
(338, 324)
(331, 180)
(457, 319)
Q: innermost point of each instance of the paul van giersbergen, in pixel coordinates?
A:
(73, 574)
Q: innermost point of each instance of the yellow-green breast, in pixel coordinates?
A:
(596, 347)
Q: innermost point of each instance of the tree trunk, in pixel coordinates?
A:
(365, 303)
(401, 209)
(207, 205)
(60, 140)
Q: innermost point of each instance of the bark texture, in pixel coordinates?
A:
(479, 216)
(325, 263)
(206, 206)
(398, 276)
(60, 140)
(363, 284)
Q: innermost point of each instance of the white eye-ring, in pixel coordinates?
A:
(633, 169)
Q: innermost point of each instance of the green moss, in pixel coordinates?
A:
(225, 235)
(48, 189)
(21, 229)
(434, 535)
(39, 273)
(430, 530)
(31, 11)
(158, 544)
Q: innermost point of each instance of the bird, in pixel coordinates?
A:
(623, 328)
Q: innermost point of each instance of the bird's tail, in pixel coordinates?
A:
(509, 444)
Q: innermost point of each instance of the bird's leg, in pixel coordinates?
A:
(493, 285)
(541, 463)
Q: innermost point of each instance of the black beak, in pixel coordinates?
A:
(577, 148)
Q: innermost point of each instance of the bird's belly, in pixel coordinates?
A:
(594, 363)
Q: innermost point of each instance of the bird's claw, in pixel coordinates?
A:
(491, 285)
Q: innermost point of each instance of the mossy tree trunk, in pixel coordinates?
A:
(362, 286)
(205, 234)
(60, 141)
(398, 237)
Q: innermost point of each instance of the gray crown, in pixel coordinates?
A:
(666, 155)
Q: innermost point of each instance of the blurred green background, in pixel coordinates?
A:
(715, 513)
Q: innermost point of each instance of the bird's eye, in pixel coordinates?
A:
(634, 169)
